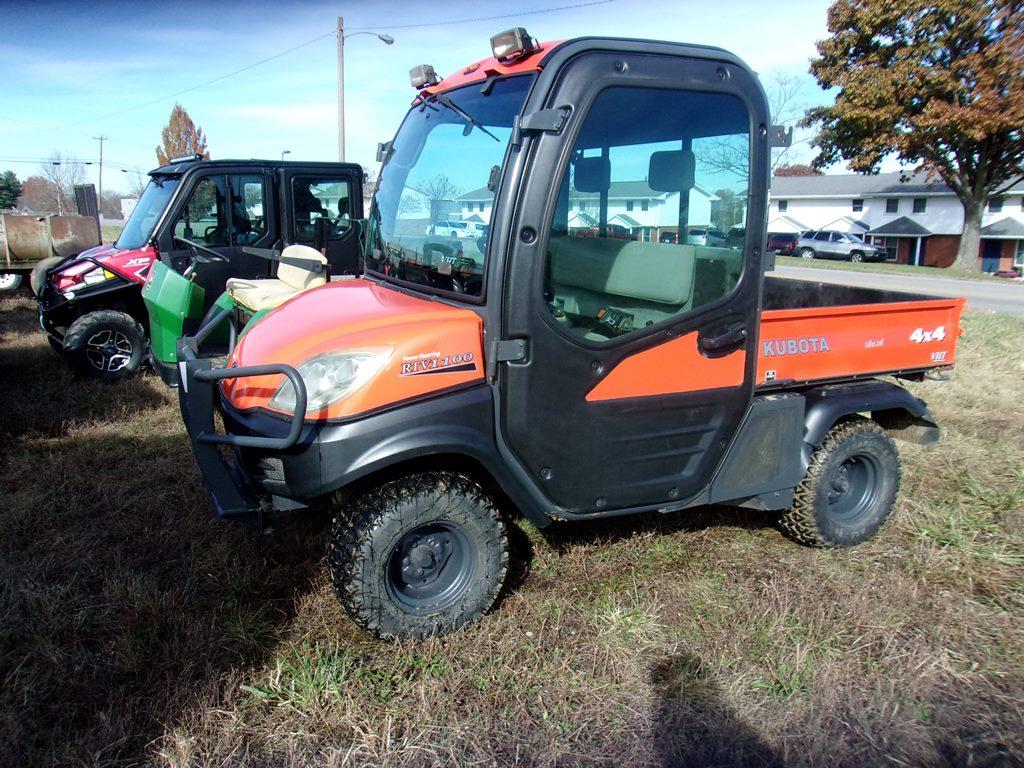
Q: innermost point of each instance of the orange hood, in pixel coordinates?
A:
(429, 345)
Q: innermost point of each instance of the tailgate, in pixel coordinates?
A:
(848, 342)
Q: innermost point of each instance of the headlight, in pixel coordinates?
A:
(331, 377)
(92, 277)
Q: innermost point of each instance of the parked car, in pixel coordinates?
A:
(782, 242)
(828, 244)
(705, 236)
(459, 229)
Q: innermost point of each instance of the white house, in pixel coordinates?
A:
(633, 205)
(919, 221)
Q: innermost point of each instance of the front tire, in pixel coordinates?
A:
(857, 257)
(806, 253)
(107, 345)
(849, 489)
(418, 556)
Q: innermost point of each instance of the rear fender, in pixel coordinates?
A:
(890, 405)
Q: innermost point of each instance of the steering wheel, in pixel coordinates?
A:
(196, 248)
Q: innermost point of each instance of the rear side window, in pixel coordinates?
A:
(315, 197)
(613, 271)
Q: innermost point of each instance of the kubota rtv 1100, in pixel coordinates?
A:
(590, 360)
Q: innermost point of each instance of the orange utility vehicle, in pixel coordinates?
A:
(587, 361)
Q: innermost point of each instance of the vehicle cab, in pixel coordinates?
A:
(91, 305)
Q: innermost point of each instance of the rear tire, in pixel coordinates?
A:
(107, 345)
(418, 556)
(849, 489)
(806, 253)
(10, 282)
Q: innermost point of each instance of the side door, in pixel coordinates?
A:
(224, 212)
(336, 193)
(640, 354)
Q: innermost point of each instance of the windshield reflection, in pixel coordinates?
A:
(139, 227)
(433, 207)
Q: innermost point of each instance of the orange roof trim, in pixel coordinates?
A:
(485, 68)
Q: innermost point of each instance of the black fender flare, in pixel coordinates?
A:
(896, 409)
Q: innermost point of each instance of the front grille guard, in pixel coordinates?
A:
(199, 401)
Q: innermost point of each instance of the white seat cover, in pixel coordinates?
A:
(291, 280)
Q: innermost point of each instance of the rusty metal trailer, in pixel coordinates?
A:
(25, 241)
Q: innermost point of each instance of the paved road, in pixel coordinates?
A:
(981, 294)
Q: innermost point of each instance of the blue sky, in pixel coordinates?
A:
(72, 71)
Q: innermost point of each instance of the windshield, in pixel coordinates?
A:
(441, 174)
(146, 213)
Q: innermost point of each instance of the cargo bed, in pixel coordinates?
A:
(817, 332)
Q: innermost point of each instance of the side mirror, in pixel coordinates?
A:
(321, 230)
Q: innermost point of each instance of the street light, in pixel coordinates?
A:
(285, 152)
(387, 40)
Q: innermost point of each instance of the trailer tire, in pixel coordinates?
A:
(10, 282)
(849, 489)
(106, 344)
(418, 556)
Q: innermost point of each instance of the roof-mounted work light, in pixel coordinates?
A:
(513, 44)
(422, 76)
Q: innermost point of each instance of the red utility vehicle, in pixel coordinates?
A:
(568, 375)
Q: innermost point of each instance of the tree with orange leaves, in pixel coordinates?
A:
(181, 137)
(937, 83)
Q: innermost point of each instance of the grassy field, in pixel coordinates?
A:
(958, 273)
(135, 629)
(111, 232)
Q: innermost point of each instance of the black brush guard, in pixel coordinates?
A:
(230, 490)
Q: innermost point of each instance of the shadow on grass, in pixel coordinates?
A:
(122, 604)
(41, 395)
(693, 726)
(563, 536)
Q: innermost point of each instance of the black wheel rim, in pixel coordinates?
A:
(853, 487)
(109, 350)
(431, 567)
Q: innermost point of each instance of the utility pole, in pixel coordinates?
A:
(341, 90)
(387, 40)
(99, 193)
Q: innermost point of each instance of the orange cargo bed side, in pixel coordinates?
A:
(854, 341)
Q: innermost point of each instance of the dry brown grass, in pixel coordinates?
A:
(136, 630)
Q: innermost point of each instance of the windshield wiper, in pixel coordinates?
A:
(444, 99)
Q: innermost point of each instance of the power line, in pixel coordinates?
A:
(312, 40)
(489, 18)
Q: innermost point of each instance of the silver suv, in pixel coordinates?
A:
(828, 244)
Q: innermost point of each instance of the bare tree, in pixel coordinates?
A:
(730, 154)
(137, 183)
(438, 189)
(62, 173)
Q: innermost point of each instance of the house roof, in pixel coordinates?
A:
(862, 185)
(1006, 228)
(902, 226)
(786, 224)
(629, 221)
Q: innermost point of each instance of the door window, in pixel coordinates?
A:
(315, 197)
(249, 209)
(614, 268)
(204, 219)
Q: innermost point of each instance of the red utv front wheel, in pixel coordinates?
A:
(107, 345)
